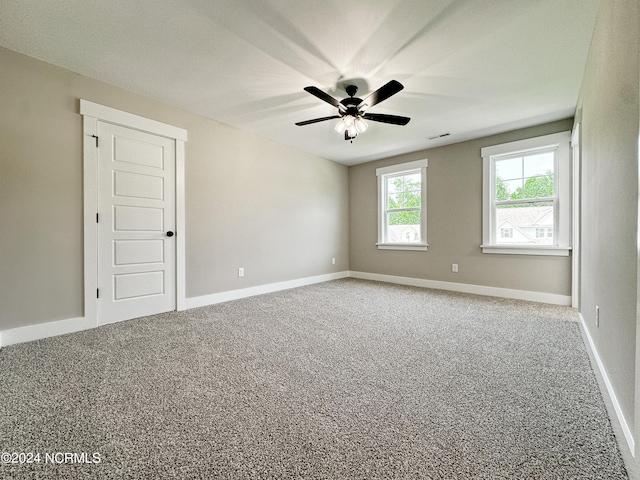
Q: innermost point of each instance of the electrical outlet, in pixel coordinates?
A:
(454, 267)
(597, 316)
(333, 261)
(241, 272)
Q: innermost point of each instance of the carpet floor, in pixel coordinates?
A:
(347, 379)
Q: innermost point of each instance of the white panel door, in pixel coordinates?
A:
(136, 208)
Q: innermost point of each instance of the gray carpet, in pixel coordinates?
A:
(340, 380)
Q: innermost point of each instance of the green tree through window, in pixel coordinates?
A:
(534, 187)
(408, 196)
(502, 192)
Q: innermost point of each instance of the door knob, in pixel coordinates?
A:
(169, 234)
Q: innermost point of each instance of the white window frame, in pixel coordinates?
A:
(419, 166)
(560, 142)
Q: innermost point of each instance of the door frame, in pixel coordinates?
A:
(576, 278)
(93, 113)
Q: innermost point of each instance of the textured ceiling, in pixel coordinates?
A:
(469, 67)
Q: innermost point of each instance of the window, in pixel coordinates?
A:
(527, 195)
(402, 212)
(544, 232)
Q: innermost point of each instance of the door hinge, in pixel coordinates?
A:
(97, 293)
(96, 137)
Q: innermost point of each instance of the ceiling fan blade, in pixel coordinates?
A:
(325, 97)
(381, 94)
(316, 120)
(380, 117)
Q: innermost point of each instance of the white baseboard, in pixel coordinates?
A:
(628, 435)
(61, 327)
(214, 298)
(43, 330)
(468, 288)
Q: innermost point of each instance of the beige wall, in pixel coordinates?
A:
(454, 223)
(278, 212)
(609, 146)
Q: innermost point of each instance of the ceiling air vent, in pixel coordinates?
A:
(439, 136)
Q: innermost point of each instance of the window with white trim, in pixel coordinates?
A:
(544, 232)
(527, 196)
(506, 232)
(402, 206)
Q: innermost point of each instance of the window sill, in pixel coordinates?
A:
(527, 250)
(421, 247)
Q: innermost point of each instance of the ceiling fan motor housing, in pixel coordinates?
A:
(351, 107)
(351, 103)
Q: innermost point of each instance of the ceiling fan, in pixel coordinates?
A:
(352, 110)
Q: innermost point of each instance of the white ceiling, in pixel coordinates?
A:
(469, 67)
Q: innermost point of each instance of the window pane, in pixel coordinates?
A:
(412, 182)
(403, 227)
(394, 201)
(540, 164)
(509, 169)
(530, 176)
(530, 224)
(508, 189)
(538, 187)
(404, 218)
(404, 191)
(411, 199)
(394, 184)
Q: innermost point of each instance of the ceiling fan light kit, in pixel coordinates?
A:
(352, 110)
(352, 125)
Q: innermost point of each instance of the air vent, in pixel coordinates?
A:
(439, 136)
